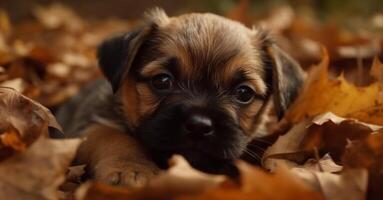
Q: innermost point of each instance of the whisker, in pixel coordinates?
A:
(253, 155)
(258, 147)
(231, 153)
(263, 141)
(225, 154)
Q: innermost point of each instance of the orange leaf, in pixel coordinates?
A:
(258, 184)
(11, 138)
(344, 99)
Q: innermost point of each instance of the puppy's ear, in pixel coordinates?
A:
(116, 54)
(287, 78)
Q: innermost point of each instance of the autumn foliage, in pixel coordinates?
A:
(330, 144)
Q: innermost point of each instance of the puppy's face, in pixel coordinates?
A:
(197, 84)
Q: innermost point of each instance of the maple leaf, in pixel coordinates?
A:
(322, 95)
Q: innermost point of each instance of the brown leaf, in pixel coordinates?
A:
(349, 185)
(258, 184)
(180, 179)
(11, 138)
(368, 154)
(22, 122)
(326, 133)
(72, 181)
(17, 84)
(338, 96)
(14, 105)
(37, 173)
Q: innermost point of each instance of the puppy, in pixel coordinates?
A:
(198, 85)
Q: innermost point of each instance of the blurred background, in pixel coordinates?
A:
(350, 9)
(47, 47)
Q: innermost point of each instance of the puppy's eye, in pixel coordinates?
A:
(244, 94)
(162, 81)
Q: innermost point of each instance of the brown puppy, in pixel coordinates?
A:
(196, 85)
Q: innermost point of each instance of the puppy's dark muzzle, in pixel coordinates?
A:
(201, 133)
(198, 126)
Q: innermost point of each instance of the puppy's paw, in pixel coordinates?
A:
(124, 173)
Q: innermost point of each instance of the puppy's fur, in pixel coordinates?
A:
(132, 128)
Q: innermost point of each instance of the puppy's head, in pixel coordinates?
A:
(197, 84)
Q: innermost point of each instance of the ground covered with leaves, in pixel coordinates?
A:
(330, 143)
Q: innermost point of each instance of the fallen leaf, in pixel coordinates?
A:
(325, 164)
(348, 185)
(326, 133)
(17, 84)
(14, 105)
(37, 173)
(72, 181)
(322, 95)
(368, 154)
(11, 138)
(22, 122)
(258, 184)
(180, 179)
(286, 145)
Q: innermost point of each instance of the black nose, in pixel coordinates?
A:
(198, 126)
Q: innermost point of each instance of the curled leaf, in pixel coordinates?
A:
(22, 122)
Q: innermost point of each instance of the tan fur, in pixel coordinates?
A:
(219, 44)
(119, 151)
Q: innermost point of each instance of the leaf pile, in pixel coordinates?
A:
(32, 166)
(50, 58)
(330, 143)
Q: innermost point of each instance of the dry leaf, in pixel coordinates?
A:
(325, 164)
(286, 146)
(368, 154)
(326, 133)
(180, 179)
(258, 184)
(338, 96)
(37, 173)
(349, 185)
(22, 122)
(17, 84)
(72, 181)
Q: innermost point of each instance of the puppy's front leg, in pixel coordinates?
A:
(114, 157)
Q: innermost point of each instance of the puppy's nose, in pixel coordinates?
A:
(198, 126)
